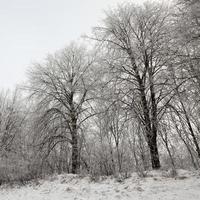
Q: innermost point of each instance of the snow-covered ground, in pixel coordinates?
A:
(186, 186)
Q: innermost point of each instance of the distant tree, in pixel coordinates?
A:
(12, 118)
(13, 149)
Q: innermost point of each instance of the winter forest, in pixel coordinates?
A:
(125, 100)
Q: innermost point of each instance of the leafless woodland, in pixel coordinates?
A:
(128, 102)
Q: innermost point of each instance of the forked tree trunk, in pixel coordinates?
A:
(151, 131)
(149, 113)
(155, 161)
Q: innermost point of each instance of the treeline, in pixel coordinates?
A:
(129, 103)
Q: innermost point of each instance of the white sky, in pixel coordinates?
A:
(30, 29)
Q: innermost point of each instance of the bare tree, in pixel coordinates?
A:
(12, 118)
(137, 43)
(61, 88)
(13, 149)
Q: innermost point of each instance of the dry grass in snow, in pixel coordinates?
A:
(157, 185)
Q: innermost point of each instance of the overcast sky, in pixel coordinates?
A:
(30, 29)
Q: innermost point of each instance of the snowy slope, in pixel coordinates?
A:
(69, 187)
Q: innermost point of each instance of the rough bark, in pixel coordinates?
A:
(74, 134)
(75, 154)
(150, 125)
(152, 143)
(75, 147)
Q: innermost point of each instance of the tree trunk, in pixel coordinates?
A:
(75, 154)
(74, 134)
(149, 113)
(154, 117)
(152, 143)
(151, 130)
(75, 147)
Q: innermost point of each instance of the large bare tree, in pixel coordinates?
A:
(137, 43)
(60, 87)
